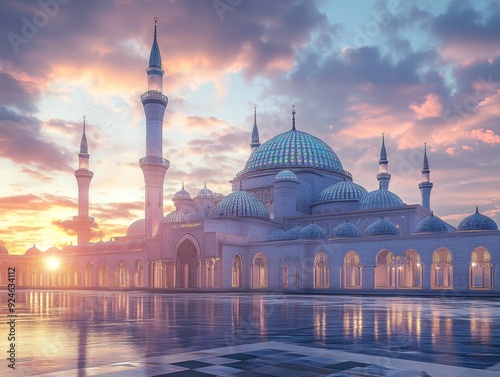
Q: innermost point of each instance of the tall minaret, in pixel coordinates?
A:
(383, 175)
(154, 166)
(255, 133)
(83, 177)
(426, 185)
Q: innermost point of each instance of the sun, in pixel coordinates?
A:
(52, 263)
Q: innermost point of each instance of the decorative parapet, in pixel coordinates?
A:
(154, 96)
(154, 160)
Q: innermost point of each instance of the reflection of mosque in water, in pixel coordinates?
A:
(295, 220)
(81, 324)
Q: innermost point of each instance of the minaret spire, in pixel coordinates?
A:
(255, 132)
(383, 175)
(83, 177)
(153, 165)
(426, 185)
(293, 117)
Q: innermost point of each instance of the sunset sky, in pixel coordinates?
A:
(420, 72)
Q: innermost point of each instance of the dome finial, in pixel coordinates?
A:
(205, 186)
(293, 117)
(241, 185)
(477, 209)
(156, 20)
(183, 185)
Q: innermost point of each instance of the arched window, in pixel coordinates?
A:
(321, 271)
(441, 269)
(408, 270)
(89, 274)
(103, 275)
(385, 272)
(259, 271)
(481, 269)
(285, 277)
(138, 274)
(122, 275)
(352, 270)
(236, 274)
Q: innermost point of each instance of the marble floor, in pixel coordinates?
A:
(92, 333)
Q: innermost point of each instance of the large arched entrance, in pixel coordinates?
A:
(187, 265)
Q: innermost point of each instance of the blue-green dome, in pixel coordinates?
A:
(382, 227)
(292, 234)
(294, 149)
(182, 194)
(431, 224)
(380, 199)
(173, 217)
(241, 204)
(312, 232)
(345, 190)
(275, 235)
(346, 229)
(205, 192)
(477, 221)
(286, 175)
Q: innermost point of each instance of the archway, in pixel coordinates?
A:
(409, 270)
(122, 274)
(352, 270)
(321, 271)
(259, 271)
(236, 275)
(89, 275)
(138, 275)
(187, 265)
(442, 269)
(481, 269)
(385, 272)
(103, 275)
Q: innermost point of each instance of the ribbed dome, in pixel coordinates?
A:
(380, 199)
(32, 251)
(3, 250)
(294, 149)
(382, 227)
(241, 204)
(312, 232)
(286, 175)
(205, 192)
(275, 235)
(52, 250)
(182, 194)
(292, 234)
(346, 229)
(431, 224)
(173, 217)
(477, 221)
(345, 190)
(137, 228)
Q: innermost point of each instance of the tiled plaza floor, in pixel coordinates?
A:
(276, 359)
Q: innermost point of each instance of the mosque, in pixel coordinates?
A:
(295, 221)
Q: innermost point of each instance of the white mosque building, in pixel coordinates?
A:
(295, 221)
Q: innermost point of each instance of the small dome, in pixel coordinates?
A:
(173, 217)
(205, 192)
(3, 250)
(345, 190)
(241, 204)
(286, 175)
(380, 199)
(312, 232)
(382, 227)
(53, 250)
(431, 224)
(275, 235)
(182, 194)
(292, 234)
(477, 221)
(32, 251)
(346, 229)
(137, 228)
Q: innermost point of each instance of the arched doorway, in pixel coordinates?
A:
(122, 274)
(103, 275)
(321, 271)
(481, 269)
(236, 276)
(442, 270)
(352, 270)
(385, 271)
(259, 271)
(89, 275)
(409, 270)
(187, 265)
(138, 278)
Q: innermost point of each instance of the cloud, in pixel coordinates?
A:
(431, 107)
(488, 136)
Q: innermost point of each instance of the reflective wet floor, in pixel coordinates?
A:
(93, 333)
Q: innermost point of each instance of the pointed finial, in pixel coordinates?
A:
(255, 113)
(426, 161)
(293, 117)
(241, 185)
(432, 213)
(205, 184)
(183, 185)
(156, 20)
(477, 209)
(83, 143)
(383, 152)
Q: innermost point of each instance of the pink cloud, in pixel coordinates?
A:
(431, 107)
(488, 136)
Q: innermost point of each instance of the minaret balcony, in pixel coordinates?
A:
(154, 96)
(154, 160)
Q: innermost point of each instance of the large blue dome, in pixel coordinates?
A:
(477, 221)
(431, 224)
(294, 149)
(380, 199)
(241, 204)
(345, 190)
